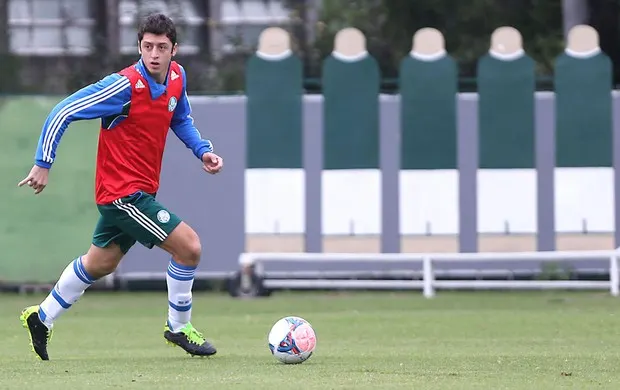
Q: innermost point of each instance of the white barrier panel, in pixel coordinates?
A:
(428, 284)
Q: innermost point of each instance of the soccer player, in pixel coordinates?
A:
(137, 106)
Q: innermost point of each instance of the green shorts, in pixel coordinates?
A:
(134, 218)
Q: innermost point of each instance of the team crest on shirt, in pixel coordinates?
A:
(163, 216)
(172, 104)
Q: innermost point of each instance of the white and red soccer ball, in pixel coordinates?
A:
(292, 340)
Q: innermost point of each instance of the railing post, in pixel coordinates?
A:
(613, 275)
(248, 265)
(427, 265)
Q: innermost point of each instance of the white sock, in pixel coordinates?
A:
(180, 279)
(72, 283)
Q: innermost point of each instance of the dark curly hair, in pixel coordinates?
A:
(158, 24)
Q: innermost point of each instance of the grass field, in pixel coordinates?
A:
(365, 341)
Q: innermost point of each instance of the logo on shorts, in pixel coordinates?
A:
(172, 104)
(163, 216)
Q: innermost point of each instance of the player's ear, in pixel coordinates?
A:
(139, 48)
(174, 49)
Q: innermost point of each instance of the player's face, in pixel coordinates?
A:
(157, 52)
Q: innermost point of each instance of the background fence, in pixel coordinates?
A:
(428, 169)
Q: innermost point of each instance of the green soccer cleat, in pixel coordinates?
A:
(190, 340)
(38, 332)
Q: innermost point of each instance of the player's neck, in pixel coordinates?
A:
(159, 78)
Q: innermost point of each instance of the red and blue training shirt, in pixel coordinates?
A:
(136, 113)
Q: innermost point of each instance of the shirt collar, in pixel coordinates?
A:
(156, 89)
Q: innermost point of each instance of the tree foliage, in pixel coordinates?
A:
(389, 26)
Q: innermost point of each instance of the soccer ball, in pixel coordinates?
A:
(292, 340)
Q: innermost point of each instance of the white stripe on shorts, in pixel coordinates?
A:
(141, 219)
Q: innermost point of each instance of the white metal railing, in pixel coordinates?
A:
(428, 284)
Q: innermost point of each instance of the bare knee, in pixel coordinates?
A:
(189, 253)
(100, 262)
(194, 252)
(184, 245)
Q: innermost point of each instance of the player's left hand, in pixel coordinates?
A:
(212, 163)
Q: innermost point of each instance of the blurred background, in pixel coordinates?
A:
(394, 126)
(39, 38)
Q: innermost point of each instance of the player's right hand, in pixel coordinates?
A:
(37, 179)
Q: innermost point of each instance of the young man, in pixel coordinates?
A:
(137, 106)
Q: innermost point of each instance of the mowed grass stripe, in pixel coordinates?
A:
(365, 341)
